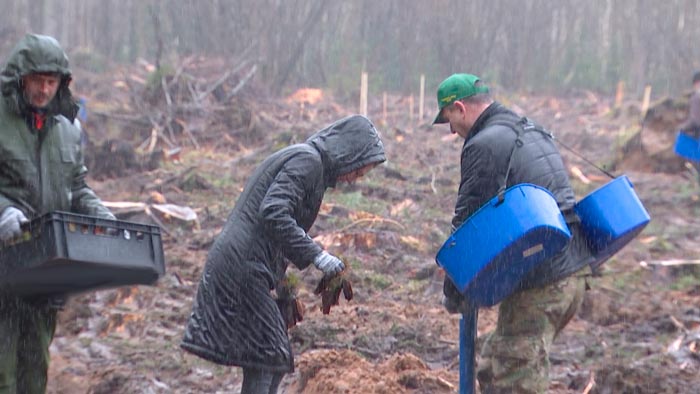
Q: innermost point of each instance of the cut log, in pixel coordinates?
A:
(185, 216)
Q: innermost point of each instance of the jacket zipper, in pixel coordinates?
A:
(41, 136)
(39, 170)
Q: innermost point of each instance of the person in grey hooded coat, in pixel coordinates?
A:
(235, 320)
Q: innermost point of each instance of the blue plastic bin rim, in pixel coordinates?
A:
(493, 201)
(607, 184)
(618, 178)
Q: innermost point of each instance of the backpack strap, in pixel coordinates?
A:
(519, 127)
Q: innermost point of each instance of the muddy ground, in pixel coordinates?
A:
(638, 332)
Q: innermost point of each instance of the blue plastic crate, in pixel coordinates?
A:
(488, 255)
(611, 216)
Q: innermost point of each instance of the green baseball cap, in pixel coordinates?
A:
(456, 87)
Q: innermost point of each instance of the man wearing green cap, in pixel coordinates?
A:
(503, 148)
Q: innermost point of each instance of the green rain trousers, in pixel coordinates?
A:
(26, 331)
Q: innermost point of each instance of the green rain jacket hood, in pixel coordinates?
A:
(41, 170)
(37, 54)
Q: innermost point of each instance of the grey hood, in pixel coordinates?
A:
(346, 145)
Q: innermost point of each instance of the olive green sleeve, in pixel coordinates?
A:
(84, 199)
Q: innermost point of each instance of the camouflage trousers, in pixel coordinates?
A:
(26, 332)
(515, 356)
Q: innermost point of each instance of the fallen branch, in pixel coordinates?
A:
(213, 86)
(242, 82)
(432, 182)
(187, 131)
(149, 144)
(138, 119)
(444, 383)
(164, 85)
(169, 180)
(372, 220)
(157, 126)
(221, 80)
(680, 326)
(591, 384)
(669, 263)
(610, 289)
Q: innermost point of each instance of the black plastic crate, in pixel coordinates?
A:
(64, 253)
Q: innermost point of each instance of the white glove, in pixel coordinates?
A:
(328, 264)
(10, 222)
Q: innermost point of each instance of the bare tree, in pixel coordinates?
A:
(515, 43)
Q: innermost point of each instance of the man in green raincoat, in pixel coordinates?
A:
(41, 170)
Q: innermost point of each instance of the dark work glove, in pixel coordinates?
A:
(329, 288)
(461, 306)
(451, 304)
(454, 301)
(292, 311)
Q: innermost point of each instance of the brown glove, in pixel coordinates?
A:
(329, 288)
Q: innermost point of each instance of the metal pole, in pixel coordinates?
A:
(467, 343)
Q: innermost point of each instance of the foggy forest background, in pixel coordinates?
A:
(554, 46)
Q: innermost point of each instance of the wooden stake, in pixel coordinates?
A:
(645, 100)
(384, 120)
(410, 105)
(363, 94)
(619, 94)
(421, 99)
